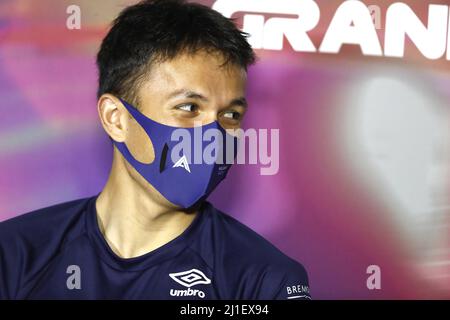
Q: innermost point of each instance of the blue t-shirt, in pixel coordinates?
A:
(59, 252)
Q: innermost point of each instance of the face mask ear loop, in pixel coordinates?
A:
(123, 147)
(128, 156)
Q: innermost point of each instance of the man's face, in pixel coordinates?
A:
(187, 91)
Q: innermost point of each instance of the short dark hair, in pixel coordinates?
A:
(159, 30)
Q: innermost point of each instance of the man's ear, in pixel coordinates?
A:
(114, 117)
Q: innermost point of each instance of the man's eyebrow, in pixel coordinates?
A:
(184, 93)
(239, 102)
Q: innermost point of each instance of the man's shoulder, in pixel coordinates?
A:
(252, 250)
(29, 241)
(37, 225)
(247, 256)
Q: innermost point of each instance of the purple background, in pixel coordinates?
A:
(344, 198)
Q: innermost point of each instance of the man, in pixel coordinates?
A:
(150, 234)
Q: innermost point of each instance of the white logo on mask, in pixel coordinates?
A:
(183, 163)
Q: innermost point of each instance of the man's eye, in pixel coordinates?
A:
(232, 115)
(189, 107)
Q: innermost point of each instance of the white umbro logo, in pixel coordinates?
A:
(183, 163)
(190, 278)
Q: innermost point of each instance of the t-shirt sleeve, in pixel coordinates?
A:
(286, 282)
(4, 283)
(9, 262)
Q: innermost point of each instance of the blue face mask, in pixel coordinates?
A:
(182, 181)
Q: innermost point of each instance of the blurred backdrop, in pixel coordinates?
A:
(364, 174)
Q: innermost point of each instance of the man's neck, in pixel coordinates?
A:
(131, 221)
